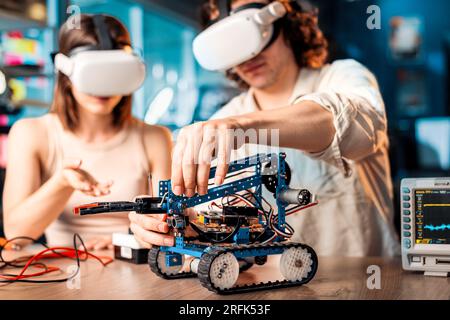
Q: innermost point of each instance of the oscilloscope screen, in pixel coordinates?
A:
(432, 216)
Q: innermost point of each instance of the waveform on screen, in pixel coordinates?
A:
(442, 227)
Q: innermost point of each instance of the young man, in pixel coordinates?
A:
(332, 125)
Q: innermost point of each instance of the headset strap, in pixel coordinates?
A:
(302, 5)
(276, 24)
(252, 5)
(101, 29)
(224, 9)
(104, 39)
(275, 34)
(297, 5)
(76, 50)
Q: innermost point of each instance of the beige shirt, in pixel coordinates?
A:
(122, 159)
(355, 212)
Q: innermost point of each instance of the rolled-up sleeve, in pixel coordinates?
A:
(351, 93)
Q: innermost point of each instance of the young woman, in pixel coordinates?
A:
(86, 149)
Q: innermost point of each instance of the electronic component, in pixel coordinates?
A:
(221, 226)
(425, 225)
(231, 237)
(128, 249)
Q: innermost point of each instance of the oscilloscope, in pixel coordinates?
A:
(425, 225)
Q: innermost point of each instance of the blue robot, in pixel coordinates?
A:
(230, 237)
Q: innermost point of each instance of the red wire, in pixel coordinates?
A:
(68, 252)
(48, 269)
(73, 255)
(302, 208)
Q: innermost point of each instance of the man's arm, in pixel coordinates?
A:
(304, 126)
(343, 121)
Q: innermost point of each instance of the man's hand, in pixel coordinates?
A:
(196, 146)
(305, 126)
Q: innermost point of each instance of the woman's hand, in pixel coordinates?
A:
(153, 229)
(100, 243)
(72, 175)
(150, 230)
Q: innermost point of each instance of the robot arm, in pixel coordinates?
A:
(148, 205)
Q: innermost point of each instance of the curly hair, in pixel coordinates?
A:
(300, 28)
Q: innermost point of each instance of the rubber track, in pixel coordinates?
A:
(207, 259)
(153, 263)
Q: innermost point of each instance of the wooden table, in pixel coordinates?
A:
(337, 278)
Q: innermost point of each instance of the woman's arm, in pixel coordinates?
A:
(29, 205)
(152, 229)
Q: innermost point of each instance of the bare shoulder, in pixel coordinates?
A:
(30, 132)
(156, 135)
(156, 132)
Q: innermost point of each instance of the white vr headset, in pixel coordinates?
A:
(102, 70)
(237, 38)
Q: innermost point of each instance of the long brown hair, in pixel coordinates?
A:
(300, 28)
(64, 103)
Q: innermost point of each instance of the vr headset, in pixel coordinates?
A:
(102, 70)
(238, 35)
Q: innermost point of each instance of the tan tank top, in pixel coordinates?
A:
(122, 159)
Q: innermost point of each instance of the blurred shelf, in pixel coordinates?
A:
(13, 14)
(182, 10)
(25, 71)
